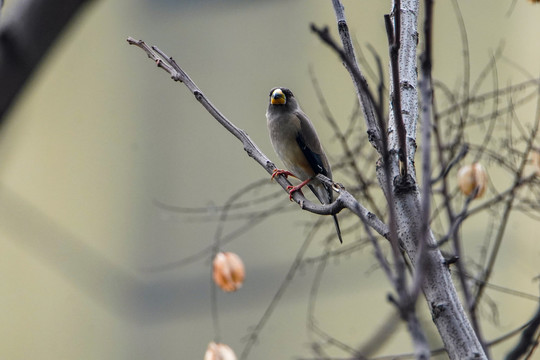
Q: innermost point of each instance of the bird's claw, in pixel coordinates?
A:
(278, 172)
(293, 189)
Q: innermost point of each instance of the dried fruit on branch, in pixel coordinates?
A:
(472, 176)
(228, 272)
(217, 351)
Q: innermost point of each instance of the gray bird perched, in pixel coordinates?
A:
(296, 142)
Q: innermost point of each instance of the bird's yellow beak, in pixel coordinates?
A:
(278, 97)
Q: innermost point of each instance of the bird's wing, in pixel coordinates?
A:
(311, 147)
(309, 143)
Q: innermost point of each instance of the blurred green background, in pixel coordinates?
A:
(100, 135)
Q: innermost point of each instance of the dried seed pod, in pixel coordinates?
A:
(228, 271)
(472, 176)
(219, 352)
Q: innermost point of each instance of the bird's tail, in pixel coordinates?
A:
(338, 230)
(324, 194)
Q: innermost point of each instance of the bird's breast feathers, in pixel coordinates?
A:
(283, 135)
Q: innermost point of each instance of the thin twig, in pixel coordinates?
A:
(367, 102)
(349, 156)
(253, 335)
(508, 206)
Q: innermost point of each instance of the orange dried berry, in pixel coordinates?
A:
(472, 176)
(228, 271)
(217, 351)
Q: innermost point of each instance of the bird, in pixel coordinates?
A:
(297, 144)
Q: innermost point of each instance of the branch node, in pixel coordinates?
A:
(342, 25)
(392, 300)
(176, 77)
(270, 165)
(405, 85)
(372, 136)
(404, 184)
(337, 187)
(437, 310)
(450, 260)
(412, 142)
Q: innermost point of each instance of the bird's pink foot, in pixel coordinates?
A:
(293, 189)
(278, 172)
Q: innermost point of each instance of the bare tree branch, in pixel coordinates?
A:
(438, 287)
(371, 111)
(393, 31)
(26, 34)
(528, 338)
